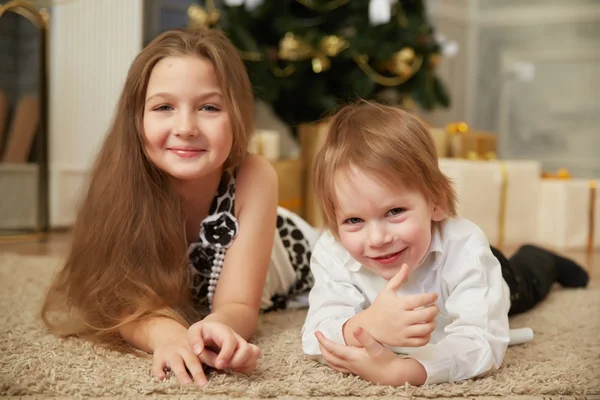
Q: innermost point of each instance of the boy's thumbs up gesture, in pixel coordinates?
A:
(406, 321)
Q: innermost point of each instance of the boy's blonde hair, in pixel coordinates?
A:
(387, 142)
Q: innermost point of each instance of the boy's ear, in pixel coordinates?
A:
(438, 213)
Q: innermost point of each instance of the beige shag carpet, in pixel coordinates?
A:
(563, 361)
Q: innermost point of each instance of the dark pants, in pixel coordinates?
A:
(530, 274)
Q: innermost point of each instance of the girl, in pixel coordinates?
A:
(393, 233)
(180, 223)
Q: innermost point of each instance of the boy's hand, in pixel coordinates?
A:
(406, 321)
(372, 361)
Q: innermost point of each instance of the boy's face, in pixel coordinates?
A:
(383, 227)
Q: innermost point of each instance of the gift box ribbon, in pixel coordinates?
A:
(503, 200)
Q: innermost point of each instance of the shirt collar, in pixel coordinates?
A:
(434, 247)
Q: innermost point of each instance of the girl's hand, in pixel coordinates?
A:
(219, 346)
(175, 353)
(373, 362)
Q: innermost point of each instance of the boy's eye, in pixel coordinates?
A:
(396, 211)
(353, 221)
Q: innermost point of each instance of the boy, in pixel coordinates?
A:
(399, 272)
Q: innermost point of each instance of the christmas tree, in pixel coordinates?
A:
(305, 57)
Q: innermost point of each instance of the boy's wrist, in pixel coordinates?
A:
(364, 320)
(368, 321)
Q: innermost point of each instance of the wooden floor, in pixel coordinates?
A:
(58, 244)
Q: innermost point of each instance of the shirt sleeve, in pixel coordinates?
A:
(333, 300)
(477, 336)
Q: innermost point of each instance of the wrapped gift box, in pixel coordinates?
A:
(501, 197)
(440, 138)
(290, 170)
(291, 183)
(468, 144)
(312, 136)
(472, 145)
(569, 214)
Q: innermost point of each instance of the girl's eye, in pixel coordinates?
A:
(353, 221)
(396, 211)
(163, 108)
(209, 107)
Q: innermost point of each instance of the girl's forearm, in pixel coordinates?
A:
(145, 335)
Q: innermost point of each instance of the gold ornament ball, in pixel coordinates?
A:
(462, 127)
(404, 70)
(434, 60)
(320, 64)
(406, 55)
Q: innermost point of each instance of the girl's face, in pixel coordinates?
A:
(383, 227)
(187, 128)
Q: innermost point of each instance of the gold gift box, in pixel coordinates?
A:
(312, 136)
(291, 183)
(459, 141)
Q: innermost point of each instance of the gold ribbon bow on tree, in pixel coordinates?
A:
(200, 17)
(295, 48)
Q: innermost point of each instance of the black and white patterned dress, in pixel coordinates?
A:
(289, 275)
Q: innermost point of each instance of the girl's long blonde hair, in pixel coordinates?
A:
(128, 258)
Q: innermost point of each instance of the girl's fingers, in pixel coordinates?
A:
(242, 354)
(158, 368)
(195, 338)
(178, 368)
(228, 346)
(195, 367)
(208, 357)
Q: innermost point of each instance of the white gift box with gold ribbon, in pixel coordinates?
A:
(569, 214)
(500, 196)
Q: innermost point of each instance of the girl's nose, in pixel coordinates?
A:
(185, 126)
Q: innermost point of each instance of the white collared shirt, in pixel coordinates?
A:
(472, 331)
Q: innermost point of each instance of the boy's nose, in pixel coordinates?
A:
(378, 235)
